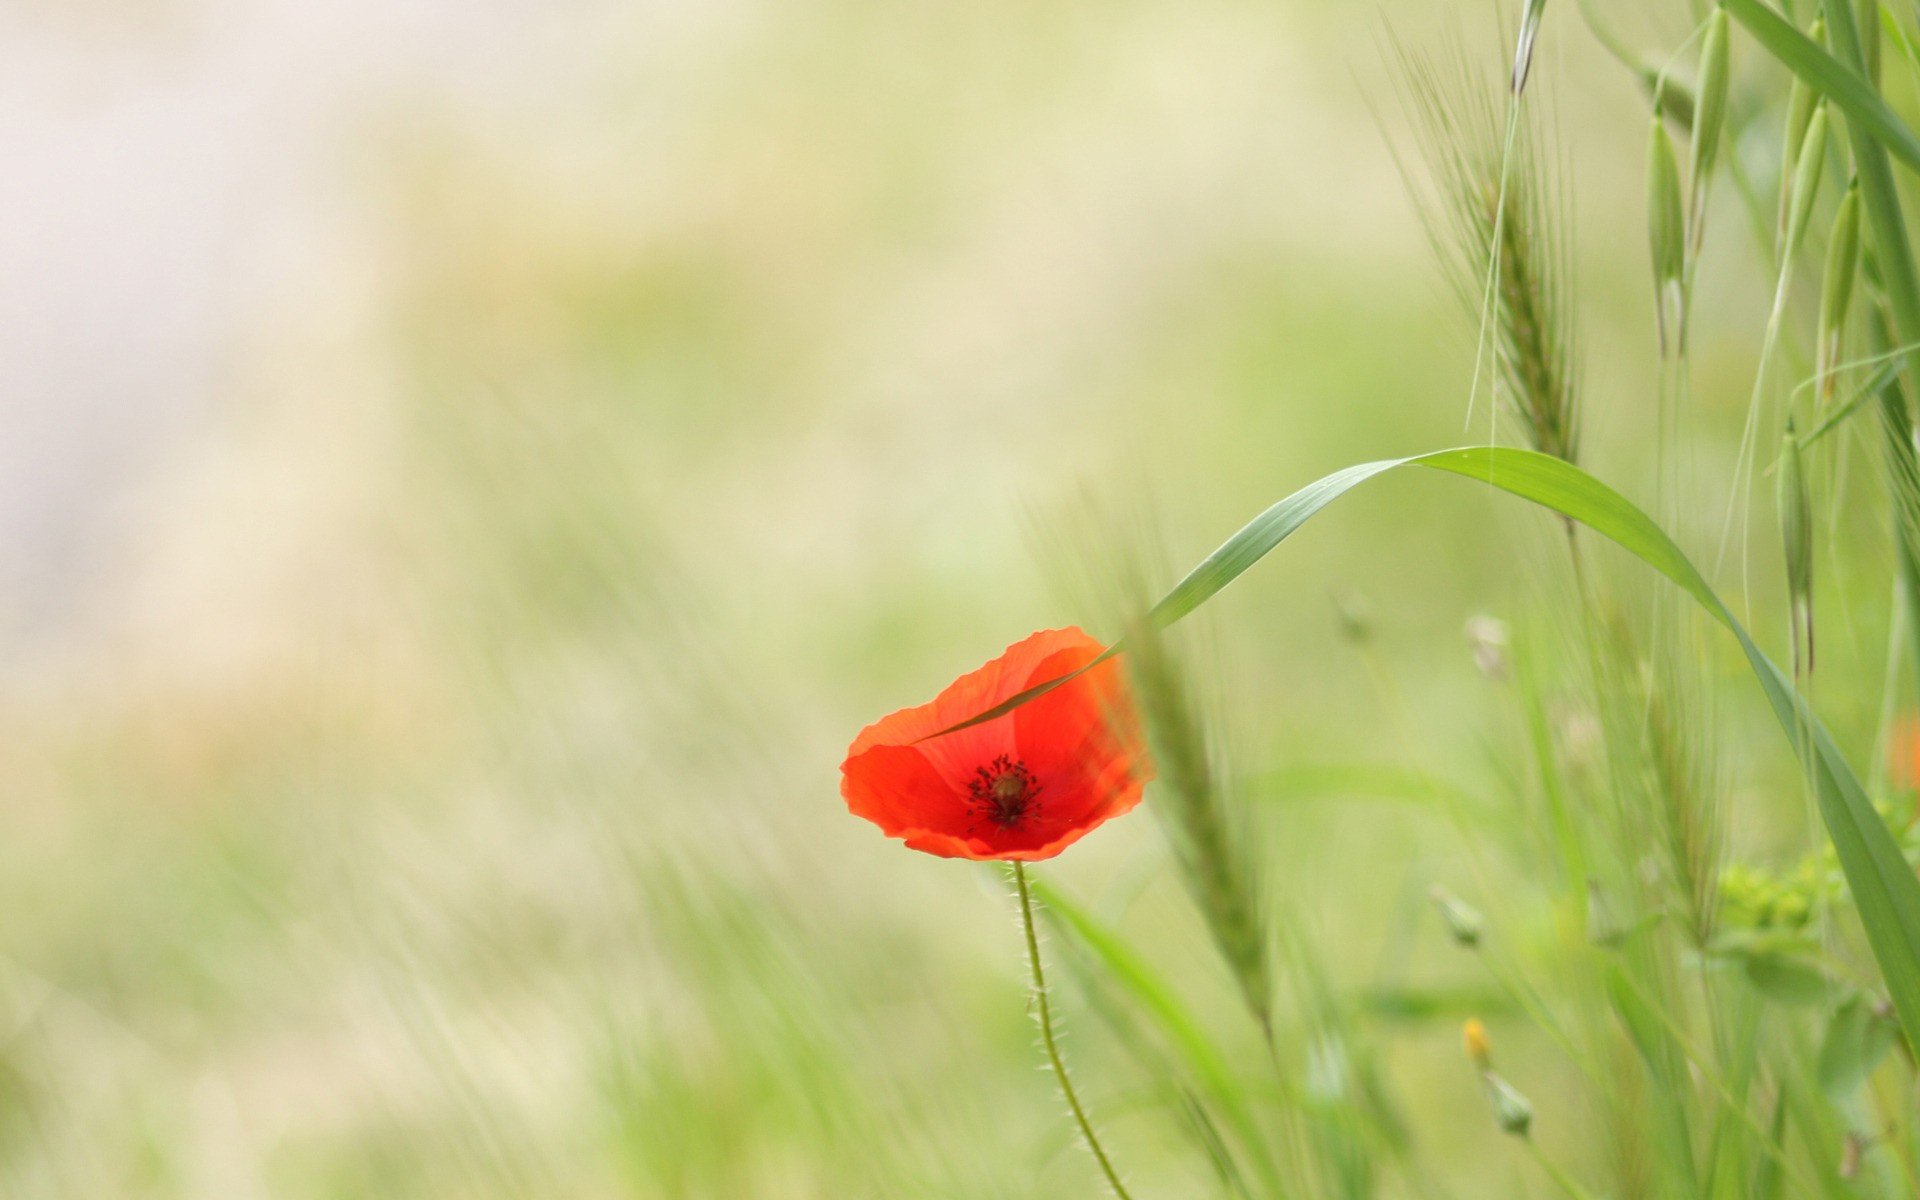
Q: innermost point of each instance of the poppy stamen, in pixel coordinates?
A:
(1004, 790)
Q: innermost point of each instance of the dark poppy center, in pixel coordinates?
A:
(1004, 790)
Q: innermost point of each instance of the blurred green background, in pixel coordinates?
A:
(471, 469)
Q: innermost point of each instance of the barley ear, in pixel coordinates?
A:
(1496, 216)
(1208, 840)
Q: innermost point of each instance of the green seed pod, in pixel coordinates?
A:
(1800, 103)
(1836, 289)
(1796, 534)
(1710, 111)
(1807, 169)
(1666, 231)
(1510, 1108)
(1796, 516)
(1463, 921)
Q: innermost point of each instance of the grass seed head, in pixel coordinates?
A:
(1710, 112)
(1796, 534)
(1836, 289)
(1801, 100)
(1511, 1109)
(1496, 217)
(1807, 170)
(1666, 232)
(1207, 835)
(1464, 922)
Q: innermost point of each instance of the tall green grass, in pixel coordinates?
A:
(1732, 1030)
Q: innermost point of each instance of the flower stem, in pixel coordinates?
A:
(1053, 1046)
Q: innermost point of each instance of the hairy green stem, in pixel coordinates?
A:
(1045, 1013)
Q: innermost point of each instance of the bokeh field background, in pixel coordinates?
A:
(467, 471)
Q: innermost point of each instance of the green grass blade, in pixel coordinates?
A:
(1827, 75)
(1219, 569)
(1259, 536)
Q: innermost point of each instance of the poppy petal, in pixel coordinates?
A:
(975, 692)
(896, 788)
(1071, 758)
(1089, 719)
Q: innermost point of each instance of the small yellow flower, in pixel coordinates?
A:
(1473, 1036)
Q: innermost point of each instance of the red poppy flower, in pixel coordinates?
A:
(1025, 785)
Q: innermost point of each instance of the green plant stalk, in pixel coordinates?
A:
(1176, 1023)
(1870, 390)
(1566, 838)
(1710, 118)
(1796, 532)
(1731, 1102)
(1560, 820)
(1666, 233)
(1565, 1182)
(1044, 1011)
(1629, 716)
